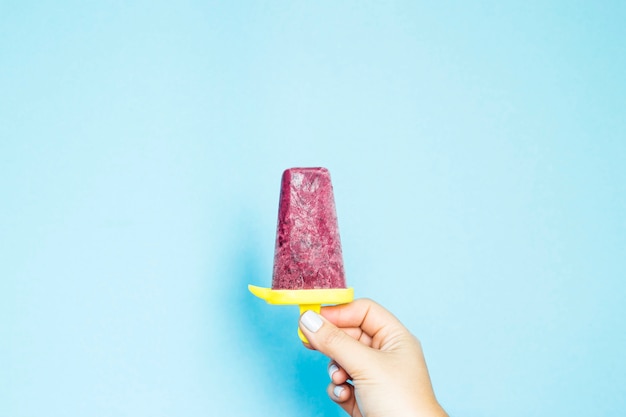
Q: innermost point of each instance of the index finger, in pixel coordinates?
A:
(372, 318)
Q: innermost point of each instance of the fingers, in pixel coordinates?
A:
(337, 374)
(340, 391)
(334, 342)
(343, 395)
(357, 334)
(373, 320)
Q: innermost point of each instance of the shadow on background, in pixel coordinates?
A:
(267, 334)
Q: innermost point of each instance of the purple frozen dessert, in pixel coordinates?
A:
(308, 249)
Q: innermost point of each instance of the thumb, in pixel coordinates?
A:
(334, 342)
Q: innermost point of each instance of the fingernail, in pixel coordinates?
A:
(332, 369)
(311, 320)
(338, 390)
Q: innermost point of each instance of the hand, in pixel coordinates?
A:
(384, 362)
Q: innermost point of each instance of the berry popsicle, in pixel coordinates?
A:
(308, 264)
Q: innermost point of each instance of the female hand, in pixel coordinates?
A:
(384, 362)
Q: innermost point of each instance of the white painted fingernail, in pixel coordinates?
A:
(332, 369)
(311, 320)
(338, 390)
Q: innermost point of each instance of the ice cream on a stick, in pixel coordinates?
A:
(308, 264)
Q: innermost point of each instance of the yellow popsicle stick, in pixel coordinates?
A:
(305, 299)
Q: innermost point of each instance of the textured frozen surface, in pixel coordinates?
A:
(308, 249)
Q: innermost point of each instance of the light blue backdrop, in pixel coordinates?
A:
(478, 157)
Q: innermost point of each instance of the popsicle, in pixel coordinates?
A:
(308, 263)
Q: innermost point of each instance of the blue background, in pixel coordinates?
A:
(478, 159)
